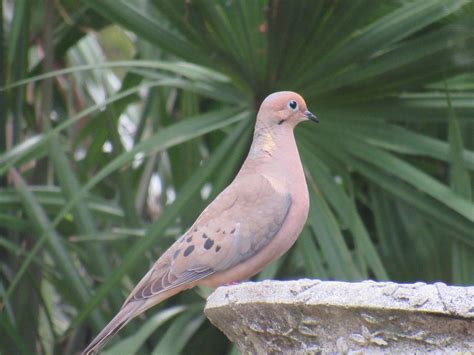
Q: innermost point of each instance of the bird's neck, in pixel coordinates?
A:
(274, 152)
(265, 142)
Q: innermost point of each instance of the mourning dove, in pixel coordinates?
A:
(255, 220)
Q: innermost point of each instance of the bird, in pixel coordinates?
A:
(251, 223)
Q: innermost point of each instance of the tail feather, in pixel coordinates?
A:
(136, 303)
(129, 311)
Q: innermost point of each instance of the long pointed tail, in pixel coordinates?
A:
(128, 312)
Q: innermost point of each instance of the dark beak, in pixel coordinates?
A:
(311, 117)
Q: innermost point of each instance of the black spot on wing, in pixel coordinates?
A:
(176, 253)
(218, 247)
(208, 244)
(188, 250)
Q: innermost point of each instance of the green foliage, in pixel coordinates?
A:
(99, 100)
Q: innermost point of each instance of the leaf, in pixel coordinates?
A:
(401, 140)
(402, 64)
(462, 259)
(182, 328)
(312, 257)
(164, 139)
(78, 289)
(408, 173)
(132, 344)
(386, 30)
(346, 209)
(141, 22)
(329, 237)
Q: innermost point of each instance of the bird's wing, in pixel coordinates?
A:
(241, 221)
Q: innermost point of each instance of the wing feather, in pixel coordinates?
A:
(241, 221)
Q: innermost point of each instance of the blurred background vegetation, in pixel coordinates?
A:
(121, 119)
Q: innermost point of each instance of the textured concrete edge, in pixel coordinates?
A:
(321, 317)
(435, 298)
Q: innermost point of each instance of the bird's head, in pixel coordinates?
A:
(284, 108)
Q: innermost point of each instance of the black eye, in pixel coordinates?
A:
(293, 105)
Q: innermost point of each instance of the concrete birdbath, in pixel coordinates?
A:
(312, 316)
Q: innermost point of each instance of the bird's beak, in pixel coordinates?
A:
(311, 116)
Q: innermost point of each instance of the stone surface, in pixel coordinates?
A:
(312, 316)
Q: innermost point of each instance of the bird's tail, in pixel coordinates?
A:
(128, 311)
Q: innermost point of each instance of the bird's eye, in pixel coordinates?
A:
(293, 105)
